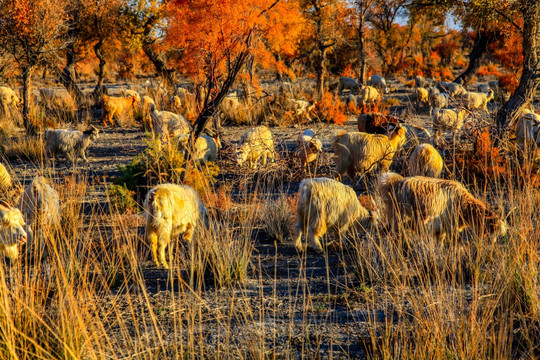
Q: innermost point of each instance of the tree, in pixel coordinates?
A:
(530, 75)
(145, 21)
(91, 24)
(29, 31)
(324, 31)
(217, 38)
(362, 7)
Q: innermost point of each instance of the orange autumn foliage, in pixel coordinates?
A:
(213, 33)
(330, 109)
(509, 82)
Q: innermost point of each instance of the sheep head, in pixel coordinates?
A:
(399, 137)
(12, 225)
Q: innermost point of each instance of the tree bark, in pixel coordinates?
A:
(27, 83)
(483, 39)
(102, 63)
(161, 67)
(362, 51)
(320, 69)
(530, 76)
(67, 78)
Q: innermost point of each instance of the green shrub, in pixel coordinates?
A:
(122, 198)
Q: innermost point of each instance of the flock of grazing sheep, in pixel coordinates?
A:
(420, 202)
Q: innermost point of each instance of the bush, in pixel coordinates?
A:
(121, 198)
(163, 163)
(330, 109)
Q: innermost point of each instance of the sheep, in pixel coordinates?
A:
(379, 83)
(347, 83)
(73, 143)
(368, 94)
(416, 135)
(171, 210)
(375, 123)
(8, 97)
(257, 145)
(439, 101)
(300, 107)
(166, 123)
(358, 152)
(205, 150)
(483, 88)
(309, 147)
(325, 204)
(5, 179)
(528, 135)
(477, 100)
(421, 96)
(425, 160)
(40, 206)
(12, 233)
(452, 88)
(448, 119)
(444, 206)
(420, 82)
(116, 106)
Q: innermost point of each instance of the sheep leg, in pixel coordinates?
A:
(313, 238)
(162, 246)
(298, 241)
(188, 235)
(153, 240)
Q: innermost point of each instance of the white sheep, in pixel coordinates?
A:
(166, 123)
(325, 204)
(438, 100)
(72, 143)
(171, 210)
(12, 233)
(448, 120)
(362, 153)
(452, 88)
(347, 83)
(477, 100)
(379, 83)
(444, 207)
(309, 147)
(368, 94)
(425, 160)
(6, 182)
(40, 206)
(257, 145)
(483, 88)
(8, 97)
(421, 96)
(300, 107)
(420, 81)
(528, 135)
(205, 149)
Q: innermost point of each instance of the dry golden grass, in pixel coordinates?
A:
(97, 295)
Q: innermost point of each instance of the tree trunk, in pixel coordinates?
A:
(98, 90)
(102, 63)
(362, 51)
(161, 67)
(530, 77)
(27, 83)
(320, 70)
(67, 78)
(483, 39)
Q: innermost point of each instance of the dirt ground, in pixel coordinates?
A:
(287, 295)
